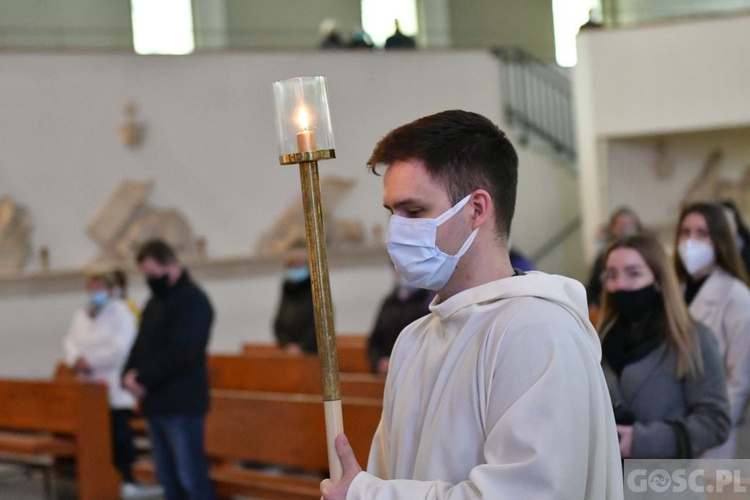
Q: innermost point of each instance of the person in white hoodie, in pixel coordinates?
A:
(96, 347)
(498, 392)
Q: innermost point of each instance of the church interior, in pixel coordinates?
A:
(107, 143)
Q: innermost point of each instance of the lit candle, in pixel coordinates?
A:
(305, 137)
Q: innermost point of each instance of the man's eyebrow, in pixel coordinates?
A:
(403, 203)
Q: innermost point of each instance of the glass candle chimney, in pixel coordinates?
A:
(303, 121)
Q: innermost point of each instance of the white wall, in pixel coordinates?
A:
(664, 79)
(211, 150)
(210, 144)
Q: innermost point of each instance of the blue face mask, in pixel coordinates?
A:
(414, 251)
(98, 298)
(297, 274)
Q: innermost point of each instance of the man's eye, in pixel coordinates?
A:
(415, 212)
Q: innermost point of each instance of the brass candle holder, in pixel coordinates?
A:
(303, 127)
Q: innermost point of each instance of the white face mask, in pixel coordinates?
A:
(695, 255)
(414, 252)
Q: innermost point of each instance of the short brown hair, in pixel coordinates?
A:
(463, 151)
(157, 250)
(103, 277)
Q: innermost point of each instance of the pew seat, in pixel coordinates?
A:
(34, 446)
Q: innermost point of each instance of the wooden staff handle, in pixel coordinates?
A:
(334, 427)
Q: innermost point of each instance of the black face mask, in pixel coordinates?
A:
(633, 305)
(159, 286)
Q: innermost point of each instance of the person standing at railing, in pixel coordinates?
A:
(399, 40)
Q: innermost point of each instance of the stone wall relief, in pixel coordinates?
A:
(288, 228)
(125, 221)
(16, 226)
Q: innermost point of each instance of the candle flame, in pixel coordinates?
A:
(303, 118)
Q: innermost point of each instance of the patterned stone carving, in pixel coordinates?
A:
(289, 227)
(123, 205)
(125, 221)
(16, 226)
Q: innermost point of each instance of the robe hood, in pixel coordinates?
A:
(568, 293)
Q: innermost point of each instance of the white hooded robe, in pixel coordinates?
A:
(498, 394)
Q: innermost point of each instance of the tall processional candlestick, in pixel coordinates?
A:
(303, 127)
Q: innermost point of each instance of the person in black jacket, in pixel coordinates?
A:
(403, 305)
(399, 40)
(294, 324)
(167, 372)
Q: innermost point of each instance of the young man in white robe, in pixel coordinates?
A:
(498, 393)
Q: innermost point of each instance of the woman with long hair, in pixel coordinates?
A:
(663, 370)
(622, 223)
(715, 285)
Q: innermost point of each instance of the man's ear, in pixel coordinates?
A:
(481, 206)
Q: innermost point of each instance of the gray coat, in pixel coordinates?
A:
(650, 390)
(723, 305)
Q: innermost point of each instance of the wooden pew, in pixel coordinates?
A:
(266, 371)
(281, 429)
(64, 373)
(286, 431)
(45, 420)
(276, 371)
(352, 352)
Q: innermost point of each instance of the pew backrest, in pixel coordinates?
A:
(286, 373)
(284, 429)
(74, 410)
(351, 349)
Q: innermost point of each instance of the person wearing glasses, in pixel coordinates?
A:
(709, 265)
(663, 370)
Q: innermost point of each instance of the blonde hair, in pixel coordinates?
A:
(105, 277)
(679, 325)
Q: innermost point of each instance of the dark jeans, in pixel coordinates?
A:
(181, 463)
(123, 449)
